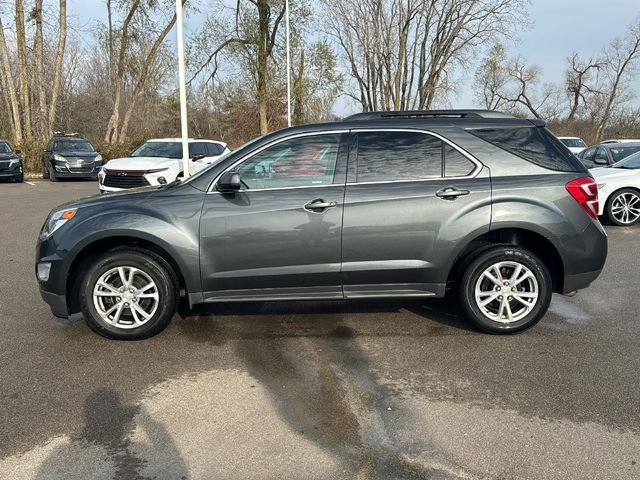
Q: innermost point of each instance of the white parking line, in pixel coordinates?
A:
(30, 183)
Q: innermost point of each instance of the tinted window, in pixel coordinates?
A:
(601, 154)
(573, 142)
(197, 148)
(631, 162)
(456, 164)
(72, 146)
(4, 148)
(618, 153)
(384, 156)
(159, 149)
(213, 149)
(534, 144)
(589, 154)
(302, 161)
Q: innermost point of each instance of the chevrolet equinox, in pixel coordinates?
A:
(381, 204)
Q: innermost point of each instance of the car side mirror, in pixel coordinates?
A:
(197, 156)
(229, 182)
(18, 151)
(98, 150)
(600, 161)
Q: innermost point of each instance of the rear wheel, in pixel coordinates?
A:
(623, 207)
(505, 290)
(129, 294)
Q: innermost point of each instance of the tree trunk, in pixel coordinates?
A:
(298, 93)
(263, 20)
(42, 122)
(57, 70)
(112, 127)
(23, 75)
(144, 74)
(10, 86)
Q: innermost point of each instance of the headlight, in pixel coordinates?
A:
(156, 170)
(59, 158)
(55, 220)
(98, 158)
(13, 162)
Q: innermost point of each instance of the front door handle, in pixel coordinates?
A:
(318, 205)
(451, 193)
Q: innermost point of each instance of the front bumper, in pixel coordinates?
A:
(57, 303)
(12, 173)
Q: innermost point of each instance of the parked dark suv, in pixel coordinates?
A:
(70, 156)
(393, 204)
(11, 167)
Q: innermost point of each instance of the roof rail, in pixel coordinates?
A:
(429, 114)
(62, 134)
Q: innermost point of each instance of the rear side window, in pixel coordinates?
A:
(618, 153)
(455, 163)
(389, 156)
(214, 149)
(197, 148)
(534, 144)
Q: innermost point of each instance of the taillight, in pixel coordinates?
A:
(585, 192)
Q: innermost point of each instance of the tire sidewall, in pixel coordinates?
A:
(484, 261)
(166, 289)
(609, 207)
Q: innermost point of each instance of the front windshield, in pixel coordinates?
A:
(159, 149)
(574, 143)
(618, 153)
(4, 148)
(632, 162)
(72, 146)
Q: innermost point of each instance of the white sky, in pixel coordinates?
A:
(559, 28)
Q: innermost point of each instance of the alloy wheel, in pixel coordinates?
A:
(506, 292)
(126, 297)
(625, 208)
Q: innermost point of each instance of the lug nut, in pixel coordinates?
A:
(132, 290)
(509, 297)
(119, 299)
(126, 305)
(121, 289)
(500, 297)
(134, 299)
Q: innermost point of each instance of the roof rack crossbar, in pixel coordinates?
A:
(382, 115)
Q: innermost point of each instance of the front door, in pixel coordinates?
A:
(278, 237)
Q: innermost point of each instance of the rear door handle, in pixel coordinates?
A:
(451, 193)
(319, 204)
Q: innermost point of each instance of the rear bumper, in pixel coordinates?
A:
(57, 303)
(579, 281)
(584, 257)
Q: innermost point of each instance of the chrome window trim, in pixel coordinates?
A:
(462, 151)
(270, 144)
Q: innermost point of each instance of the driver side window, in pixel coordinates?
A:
(297, 162)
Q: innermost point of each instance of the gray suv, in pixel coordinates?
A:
(393, 204)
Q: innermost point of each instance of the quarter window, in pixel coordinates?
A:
(388, 156)
(456, 164)
(298, 162)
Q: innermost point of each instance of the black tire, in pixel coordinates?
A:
(20, 179)
(475, 270)
(45, 171)
(608, 211)
(152, 265)
(52, 174)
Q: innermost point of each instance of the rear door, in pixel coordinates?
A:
(410, 197)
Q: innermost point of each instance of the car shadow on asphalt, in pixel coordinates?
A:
(310, 358)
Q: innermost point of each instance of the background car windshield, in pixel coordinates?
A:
(573, 142)
(159, 149)
(618, 153)
(4, 148)
(72, 146)
(631, 162)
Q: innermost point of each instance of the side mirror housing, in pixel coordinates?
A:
(600, 161)
(229, 182)
(18, 151)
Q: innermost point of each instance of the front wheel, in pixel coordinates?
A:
(505, 290)
(623, 208)
(52, 174)
(129, 294)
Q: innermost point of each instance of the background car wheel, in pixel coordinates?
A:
(623, 207)
(45, 172)
(505, 290)
(52, 174)
(129, 294)
(20, 179)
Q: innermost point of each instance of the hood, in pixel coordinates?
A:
(8, 156)
(132, 195)
(603, 172)
(72, 154)
(141, 163)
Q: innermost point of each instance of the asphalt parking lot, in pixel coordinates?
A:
(366, 390)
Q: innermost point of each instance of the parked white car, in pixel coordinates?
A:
(158, 162)
(574, 144)
(619, 190)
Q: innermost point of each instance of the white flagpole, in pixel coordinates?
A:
(288, 64)
(183, 91)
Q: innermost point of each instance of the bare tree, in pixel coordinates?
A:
(57, 69)
(10, 87)
(402, 53)
(23, 67)
(578, 78)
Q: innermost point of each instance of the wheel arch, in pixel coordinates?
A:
(95, 247)
(529, 239)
